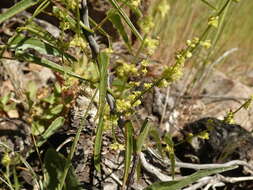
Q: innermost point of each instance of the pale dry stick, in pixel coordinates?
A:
(165, 105)
(203, 166)
(109, 172)
(234, 179)
(221, 58)
(201, 183)
(214, 184)
(219, 98)
(217, 181)
(70, 139)
(210, 66)
(153, 170)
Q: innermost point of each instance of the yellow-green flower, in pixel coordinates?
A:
(147, 85)
(134, 3)
(163, 8)
(151, 45)
(136, 103)
(78, 41)
(206, 44)
(144, 71)
(204, 135)
(229, 118)
(247, 104)
(188, 54)
(164, 83)
(147, 24)
(145, 63)
(213, 21)
(117, 146)
(6, 160)
(64, 25)
(126, 68)
(123, 105)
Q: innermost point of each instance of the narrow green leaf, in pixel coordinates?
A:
(155, 135)
(17, 8)
(103, 61)
(170, 150)
(55, 125)
(179, 184)
(125, 17)
(21, 43)
(116, 21)
(49, 64)
(209, 4)
(143, 135)
(32, 90)
(41, 33)
(128, 150)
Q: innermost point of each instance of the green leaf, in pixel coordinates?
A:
(55, 125)
(54, 165)
(125, 17)
(143, 135)
(179, 184)
(116, 21)
(128, 150)
(57, 109)
(50, 99)
(4, 99)
(21, 43)
(32, 91)
(37, 128)
(103, 61)
(57, 88)
(17, 8)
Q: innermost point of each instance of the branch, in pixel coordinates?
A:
(203, 166)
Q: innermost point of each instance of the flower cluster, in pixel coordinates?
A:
(71, 4)
(150, 45)
(230, 117)
(192, 43)
(213, 21)
(247, 104)
(64, 24)
(206, 44)
(78, 41)
(134, 3)
(147, 24)
(126, 69)
(125, 105)
(117, 146)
